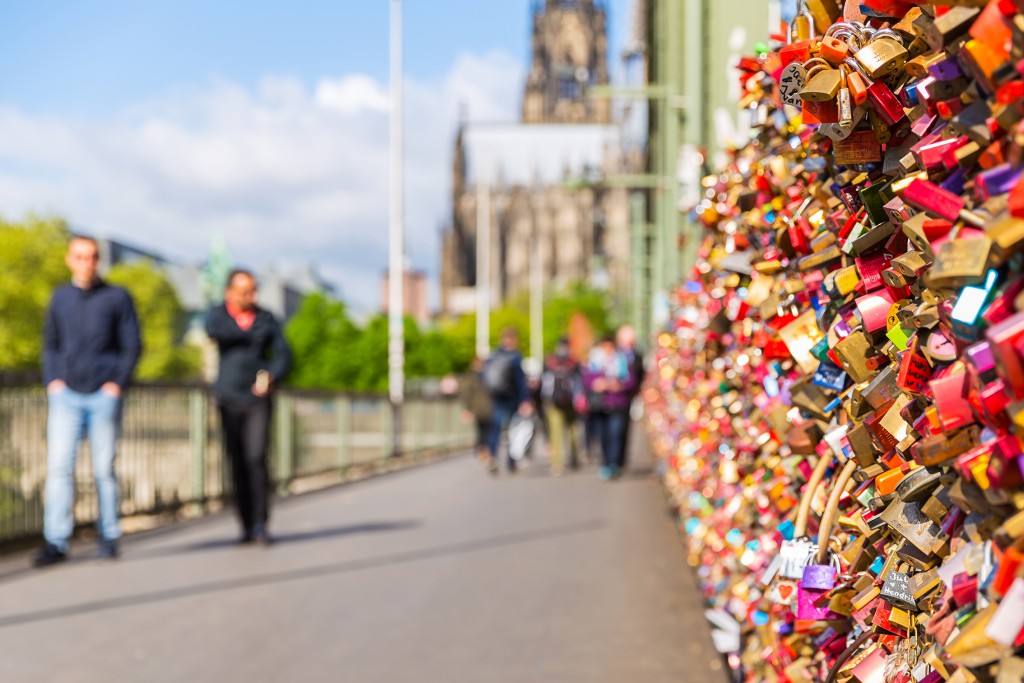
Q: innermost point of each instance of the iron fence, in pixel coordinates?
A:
(170, 454)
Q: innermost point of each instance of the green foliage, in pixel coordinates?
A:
(323, 340)
(31, 267)
(332, 352)
(371, 353)
(161, 319)
(461, 336)
(592, 304)
(430, 353)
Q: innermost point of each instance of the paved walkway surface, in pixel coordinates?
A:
(440, 573)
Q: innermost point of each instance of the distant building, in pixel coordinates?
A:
(544, 178)
(414, 295)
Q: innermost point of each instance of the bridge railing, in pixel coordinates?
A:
(170, 457)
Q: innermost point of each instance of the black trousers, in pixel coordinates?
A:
(246, 439)
(625, 438)
(483, 430)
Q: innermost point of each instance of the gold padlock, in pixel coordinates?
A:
(802, 26)
(823, 82)
(884, 56)
(823, 12)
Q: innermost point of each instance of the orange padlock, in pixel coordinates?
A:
(857, 86)
(833, 50)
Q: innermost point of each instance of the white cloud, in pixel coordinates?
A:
(352, 94)
(286, 172)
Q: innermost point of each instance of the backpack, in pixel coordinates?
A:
(498, 375)
(563, 385)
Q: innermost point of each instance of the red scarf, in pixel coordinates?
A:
(244, 319)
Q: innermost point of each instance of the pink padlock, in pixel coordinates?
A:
(807, 610)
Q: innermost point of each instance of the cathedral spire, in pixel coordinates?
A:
(569, 55)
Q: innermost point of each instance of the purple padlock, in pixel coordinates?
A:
(819, 577)
(945, 70)
(996, 180)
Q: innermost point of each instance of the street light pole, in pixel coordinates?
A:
(396, 265)
(537, 299)
(483, 268)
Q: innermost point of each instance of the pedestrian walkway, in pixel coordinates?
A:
(440, 573)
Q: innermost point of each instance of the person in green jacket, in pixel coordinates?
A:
(477, 403)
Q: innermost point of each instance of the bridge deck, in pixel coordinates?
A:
(440, 573)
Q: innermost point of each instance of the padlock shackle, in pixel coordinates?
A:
(844, 31)
(819, 65)
(886, 33)
(805, 14)
(828, 518)
(855, 65)
(804, 511)
(852, 26)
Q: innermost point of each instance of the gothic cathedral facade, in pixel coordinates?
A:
(540, 183)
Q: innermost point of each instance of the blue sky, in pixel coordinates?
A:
(165, 122)
(89, 56)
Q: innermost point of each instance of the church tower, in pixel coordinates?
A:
(570, 46)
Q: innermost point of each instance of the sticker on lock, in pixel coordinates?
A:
(791, 82)
(796, 555)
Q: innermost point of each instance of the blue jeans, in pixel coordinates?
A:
(611, 428)
(71, 416)
(501, 414)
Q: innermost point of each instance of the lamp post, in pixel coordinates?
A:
(537, 300)
(396, 265)
(483, 268)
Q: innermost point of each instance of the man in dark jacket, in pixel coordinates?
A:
(254, 358)
(505, 381)
(90, 348)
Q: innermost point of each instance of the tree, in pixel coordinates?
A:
(579, 299)
(332, 352)
(161, 319)
(430, 353)
(31, 267)
(371, 355)
(323, 340)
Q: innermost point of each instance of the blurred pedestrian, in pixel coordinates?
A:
(610, 385)
(561, 386)
(505, 381)
(477, 403)
(91, 345)
(254, 359)
(625, 340)
(534, 372)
